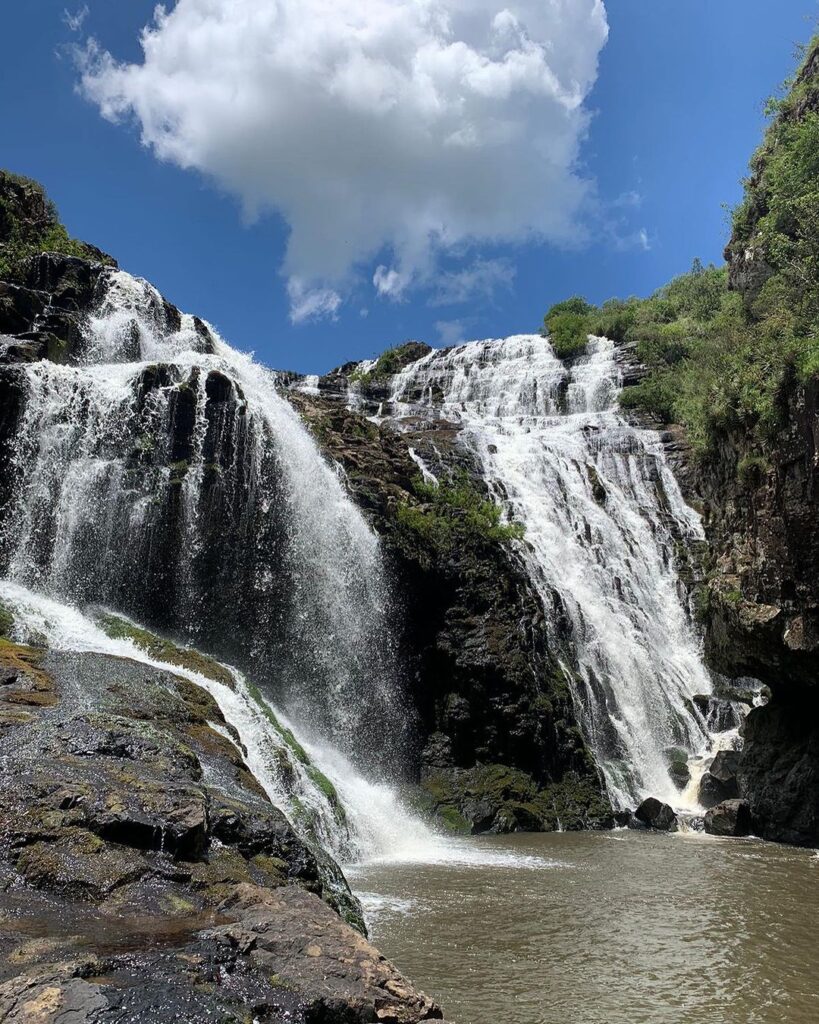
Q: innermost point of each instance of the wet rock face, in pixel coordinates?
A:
(656, 815)
(729, 818)
(147, 875)
(499, 748)
(761, 607)
(720, 781)
(778, 772)
(281, 957)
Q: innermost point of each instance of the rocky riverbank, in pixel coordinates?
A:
(145, 873)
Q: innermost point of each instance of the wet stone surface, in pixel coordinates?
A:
(132, 887)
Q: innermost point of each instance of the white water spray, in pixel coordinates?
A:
(136, 471)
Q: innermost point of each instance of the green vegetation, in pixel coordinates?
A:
(119, 628)
(390, 362)
(720, 360)
(516, 800)
(566, 324)
(29, 224)
(6, 621)
(454, 514)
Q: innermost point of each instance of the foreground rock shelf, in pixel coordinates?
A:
(146, 876)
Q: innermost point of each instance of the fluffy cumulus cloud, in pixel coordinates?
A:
(385, 132)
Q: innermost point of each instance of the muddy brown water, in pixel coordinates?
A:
(607, 928)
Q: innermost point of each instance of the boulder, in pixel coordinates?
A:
(779, 770)
(678, 767)
(729, 818)
(654, 814)
(720, 781)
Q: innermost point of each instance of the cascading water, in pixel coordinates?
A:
(603, 514)
(165, 477)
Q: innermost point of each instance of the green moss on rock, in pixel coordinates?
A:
(498, 798)
(29, 225)
(453, 514)
(6, 621)
(119, 628)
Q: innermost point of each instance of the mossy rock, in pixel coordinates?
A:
(286, 734)
(498, 798)
(119, 628)
(6, 621)
(678, 769)
(34, 686)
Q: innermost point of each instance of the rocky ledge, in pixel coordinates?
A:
(146, 875)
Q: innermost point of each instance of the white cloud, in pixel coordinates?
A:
(383, 131)
(479, 281)
(311, 303)
(76, 21)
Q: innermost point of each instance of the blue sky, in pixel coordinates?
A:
(676, 111)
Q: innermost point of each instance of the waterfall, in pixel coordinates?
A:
(164, 477)
(603, 515)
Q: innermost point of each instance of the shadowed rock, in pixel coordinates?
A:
(656, 815)
(730, 818)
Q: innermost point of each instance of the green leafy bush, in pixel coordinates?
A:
(454, 514)
(720, 360)
(566, 325)
(390, 362)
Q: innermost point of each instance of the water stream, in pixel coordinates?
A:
(604, 518)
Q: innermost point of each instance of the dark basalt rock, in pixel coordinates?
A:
(778, 769)
(760, 605)
(164, 898)
(678, 767)
(729, 818)
(13, 389)
(720, 781)
(656, 815)
(721, 715)
(19, 307)
(70, 282)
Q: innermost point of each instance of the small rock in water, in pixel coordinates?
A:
(678, 767)
(656, 815)
(720, 781)
(730, 818)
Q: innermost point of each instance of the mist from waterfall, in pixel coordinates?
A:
(603, 516)
(166, 478)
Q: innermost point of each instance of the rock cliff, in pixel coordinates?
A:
(146, 875)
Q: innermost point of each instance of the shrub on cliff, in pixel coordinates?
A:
(29, 225)
(454, 515)
(391, 362)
